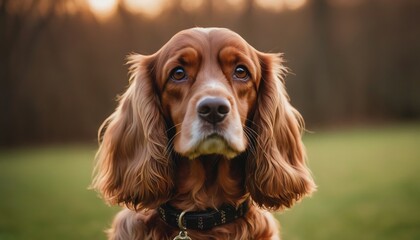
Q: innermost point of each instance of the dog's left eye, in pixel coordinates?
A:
(241, 73)
(178, 74)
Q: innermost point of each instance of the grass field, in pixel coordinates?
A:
(368, 179)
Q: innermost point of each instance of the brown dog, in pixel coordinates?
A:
(203, 142)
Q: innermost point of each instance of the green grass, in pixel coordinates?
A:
(368, 188)
(44, 195)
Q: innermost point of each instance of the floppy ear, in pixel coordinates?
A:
(277, 173)
(132, 165)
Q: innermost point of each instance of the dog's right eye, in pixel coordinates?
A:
(178, 74)
(241, 73)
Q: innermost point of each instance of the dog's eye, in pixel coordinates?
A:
(241, 73)
(178, 74)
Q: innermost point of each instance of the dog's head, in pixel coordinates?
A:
(206, 91)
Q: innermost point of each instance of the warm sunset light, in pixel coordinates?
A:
(152, 8)
(103, 8)
(149, 8)
(191, 6)
(294, 4)
(229, 5)
(279, 5)
(273, 5)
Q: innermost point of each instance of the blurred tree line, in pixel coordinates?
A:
(60, 71)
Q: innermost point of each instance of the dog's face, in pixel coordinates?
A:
(206, 91)
(208, 81)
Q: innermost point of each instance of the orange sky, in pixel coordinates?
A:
(104, 9)
(152, 8)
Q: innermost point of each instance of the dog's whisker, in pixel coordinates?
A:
(170, 146)
(247, 120)
(250, 138)
(174, 126)
(254, 138)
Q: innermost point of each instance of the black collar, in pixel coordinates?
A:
(203, 220)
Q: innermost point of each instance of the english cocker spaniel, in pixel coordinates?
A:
(203, 143)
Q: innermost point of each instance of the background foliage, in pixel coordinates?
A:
(355, 77)
(61, 68)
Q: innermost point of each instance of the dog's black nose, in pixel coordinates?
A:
(213, 109)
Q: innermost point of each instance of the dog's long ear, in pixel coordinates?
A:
(277, 173)
(132, 167)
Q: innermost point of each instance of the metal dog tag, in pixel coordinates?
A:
(182, 236)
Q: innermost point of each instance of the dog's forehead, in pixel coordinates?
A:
(205, 30)
(214, 32)
(205, 39)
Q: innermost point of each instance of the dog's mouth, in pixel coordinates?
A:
(213, 144)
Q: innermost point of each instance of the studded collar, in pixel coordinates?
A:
(203, 220)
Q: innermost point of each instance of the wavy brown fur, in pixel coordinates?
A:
(150, 146)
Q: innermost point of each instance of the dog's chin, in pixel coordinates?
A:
(213, 145)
